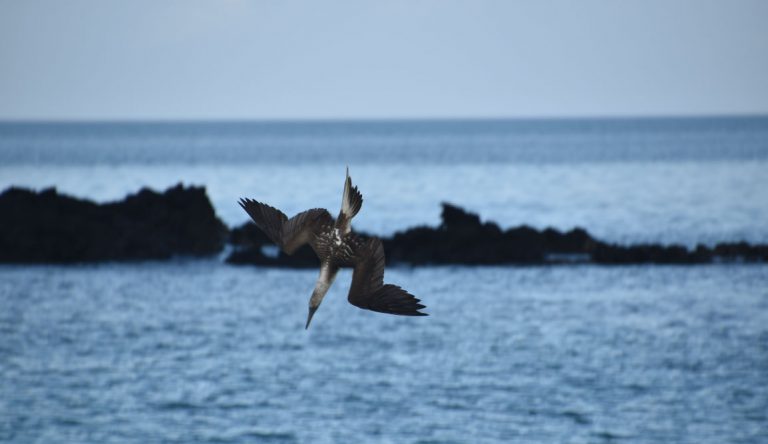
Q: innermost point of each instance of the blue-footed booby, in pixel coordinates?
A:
(337, 246)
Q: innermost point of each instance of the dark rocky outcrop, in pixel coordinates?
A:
(462, 238)
(50, 227)
(646, 253)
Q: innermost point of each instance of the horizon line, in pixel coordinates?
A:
(353, 120)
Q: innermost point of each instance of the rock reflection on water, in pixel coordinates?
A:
(197, 351)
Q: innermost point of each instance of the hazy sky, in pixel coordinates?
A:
(186, 59)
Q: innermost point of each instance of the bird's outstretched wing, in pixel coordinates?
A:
(288, 234)
(368, 290)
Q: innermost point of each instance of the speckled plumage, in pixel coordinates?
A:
(337, 246)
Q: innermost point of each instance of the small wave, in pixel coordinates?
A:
(577, 417)
(233, 406)
(435, 441)
(177, 405)
(608, 436)
(68, 422)
(269, 436)
(450, 405)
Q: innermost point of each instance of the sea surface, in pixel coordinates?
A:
(194, 350)
(655, 180)
(198, 351)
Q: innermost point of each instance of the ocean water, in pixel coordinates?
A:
(199, 351)
(677, 180)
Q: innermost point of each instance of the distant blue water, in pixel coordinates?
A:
(442, 142)
(653, 180)
(199, 351)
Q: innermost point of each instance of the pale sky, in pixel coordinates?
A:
(237, 59)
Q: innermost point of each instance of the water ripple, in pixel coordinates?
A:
(196, 351)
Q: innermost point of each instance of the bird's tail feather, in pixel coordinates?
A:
(352, 200)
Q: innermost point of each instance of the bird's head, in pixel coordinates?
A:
(312, 311)
(314, 303)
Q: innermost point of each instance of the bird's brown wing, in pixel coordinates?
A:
(303, 228)
(368, 290)
(270, 220)
(288, 234)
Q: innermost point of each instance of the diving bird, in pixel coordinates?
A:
(336, 246)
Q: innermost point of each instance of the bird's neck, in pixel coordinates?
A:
(324, 281)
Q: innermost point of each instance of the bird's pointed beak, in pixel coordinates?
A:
(312, 311)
